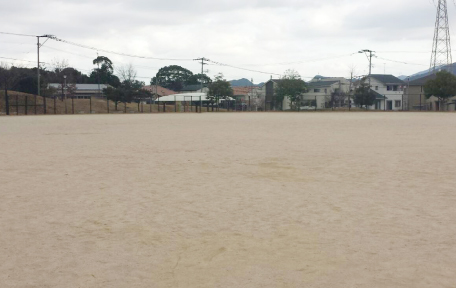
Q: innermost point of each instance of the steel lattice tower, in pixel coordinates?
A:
(441, 49)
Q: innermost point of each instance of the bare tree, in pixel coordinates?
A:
(127, 73)
(59, 65)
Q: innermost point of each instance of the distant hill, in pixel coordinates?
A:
(244, 83)
(428, 72)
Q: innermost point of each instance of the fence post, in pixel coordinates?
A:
(420, 103)
(164, 107)
(7, 101)
(26, 104)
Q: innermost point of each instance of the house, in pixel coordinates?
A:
(80, 91)
(159, 91)
(326, 92)
(417, 99)
(321, 94)
(389, 91)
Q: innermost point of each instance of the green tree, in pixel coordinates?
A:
(129, 90)
(173, 77)
(220, 88)
(443, 86)
(290, 86)
(104, 74)
(363, 95)
(105, 62)
(196, 79)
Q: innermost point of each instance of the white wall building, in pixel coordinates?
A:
(389, 91)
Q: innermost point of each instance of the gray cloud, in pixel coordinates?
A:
(253, 34)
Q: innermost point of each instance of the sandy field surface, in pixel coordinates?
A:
(228, 200)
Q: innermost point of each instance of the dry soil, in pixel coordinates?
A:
(228, 200)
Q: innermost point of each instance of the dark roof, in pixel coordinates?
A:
(378, 96)
(387, 79)
(421, 81)
(319, 84)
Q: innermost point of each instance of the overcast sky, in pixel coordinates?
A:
(312, 37)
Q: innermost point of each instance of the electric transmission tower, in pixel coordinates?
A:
(441, 49)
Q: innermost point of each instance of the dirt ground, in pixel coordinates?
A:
(228, 200)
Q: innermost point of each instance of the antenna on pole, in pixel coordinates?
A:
(441, 48)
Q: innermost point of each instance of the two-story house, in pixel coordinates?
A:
(417, 99)
(320, 94)
(389, 91)
(326, 92)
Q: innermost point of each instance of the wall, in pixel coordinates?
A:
(390, 95)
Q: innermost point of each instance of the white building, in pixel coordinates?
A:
(389, 91)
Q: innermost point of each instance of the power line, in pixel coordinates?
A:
(68, 52)
(17, 34)
(89, 57)
(240, 68)
(20, 60)
(117, 53)
(401, 62)
(303, 61)
(403, 52)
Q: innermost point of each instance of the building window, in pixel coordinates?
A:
(376, 87)
(397, 103)
(395, 88)
(316, 90)
(326, 90)
(389, 88)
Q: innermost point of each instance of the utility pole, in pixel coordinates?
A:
(350, 90)
(202, 59)
(38, 64)
(38, 56)
(369, 54)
